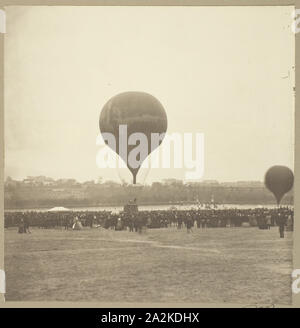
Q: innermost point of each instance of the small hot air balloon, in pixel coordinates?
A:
(279, 180)
(140, 112)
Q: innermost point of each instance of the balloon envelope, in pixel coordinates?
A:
(141, 113)
(279, 180)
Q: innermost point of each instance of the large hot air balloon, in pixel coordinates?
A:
(141, 113)
(279, 180)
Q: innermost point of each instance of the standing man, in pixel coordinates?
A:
(26, 224)
(179, 222)
(281, 221)
(268, 220)
(189, 224)
(131, 222)
(21, 226)
(91, 221)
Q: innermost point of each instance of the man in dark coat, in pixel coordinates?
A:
(281, 221)
(26, 224)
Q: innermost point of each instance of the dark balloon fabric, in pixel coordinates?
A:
(279, 180)
(141, 113)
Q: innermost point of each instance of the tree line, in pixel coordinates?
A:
(24, 195)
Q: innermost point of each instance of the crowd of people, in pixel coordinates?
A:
(199, 218)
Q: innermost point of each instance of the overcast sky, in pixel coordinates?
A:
(227, 72)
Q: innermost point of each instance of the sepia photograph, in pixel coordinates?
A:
(149, 154)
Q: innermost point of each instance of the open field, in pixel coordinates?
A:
(236, 265)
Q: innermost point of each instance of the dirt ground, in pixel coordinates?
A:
(235, 265)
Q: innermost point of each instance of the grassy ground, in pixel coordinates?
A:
(236, 265)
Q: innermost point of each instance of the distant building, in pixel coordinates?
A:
(70, 182)
(172, 181)
(9, 182)
(210, 182)
(39, 181)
